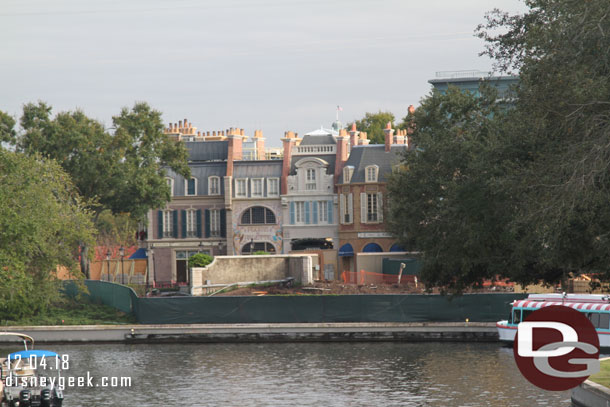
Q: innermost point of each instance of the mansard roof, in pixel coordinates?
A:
(318, 140)
(207, 150)
(257, 169)
(374, 154)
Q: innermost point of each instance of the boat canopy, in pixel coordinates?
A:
(26, 354)
(25, 338)
(582, 306)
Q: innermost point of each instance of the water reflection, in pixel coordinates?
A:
(346, 374)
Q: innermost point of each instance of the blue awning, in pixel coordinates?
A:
(397, 248)
(346, 250)
(139, 254)
(372, 248)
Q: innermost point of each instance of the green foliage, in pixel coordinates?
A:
(7, 128)
(373, 124)
(519, 192)
(42, 223)
(200, 260)
(116, 229)
(260, 253)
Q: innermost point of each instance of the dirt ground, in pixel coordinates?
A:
(329, 287)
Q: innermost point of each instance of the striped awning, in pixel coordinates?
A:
(576, 305)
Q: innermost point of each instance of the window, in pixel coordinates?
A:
(170, 184)
(273, 187)
(323, 211)
(347, 174)
(254, 247)
(168, 224)
(371, 173)
(214, 186)
(257, 187)
(311, 179)
(258, 215)
(241, 188)
(371, 207)
(215, 223)
(191, 186)
(346, 207)
(299, 212)
(191, 223)
(599, 320)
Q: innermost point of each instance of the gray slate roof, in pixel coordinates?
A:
(201, 172)
(309, 140)
(207, 150)
(374, 154)
(329, 158)
(257, 169)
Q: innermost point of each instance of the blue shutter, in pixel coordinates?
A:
(306, 203)
(330, 211)
(223, 223)
(175, 224)
(207, 223)
(183, 214)
(314, 212)
(199, 223)
(160, 217)
(291, 213)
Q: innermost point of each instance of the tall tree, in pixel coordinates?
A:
(373, 124)
(42, 223)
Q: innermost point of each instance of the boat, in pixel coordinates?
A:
(29, 377)
(595, 306)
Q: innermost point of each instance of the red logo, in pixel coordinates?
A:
(556, 348)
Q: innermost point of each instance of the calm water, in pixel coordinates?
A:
(359, 374)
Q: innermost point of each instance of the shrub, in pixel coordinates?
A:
(200, 260)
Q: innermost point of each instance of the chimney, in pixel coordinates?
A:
(341, 158)
(288, 142)
(389, 132)
(400, 136)
(364, 141)
(259, 141)
(235, 152)
(353, 136)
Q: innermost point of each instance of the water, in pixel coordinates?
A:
(306, 374)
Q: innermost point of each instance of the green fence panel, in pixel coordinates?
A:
(392, 266)
(115, 295)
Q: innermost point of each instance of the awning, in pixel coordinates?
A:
(372, 248)
(139, 254)
(397, 248)
(346, 250)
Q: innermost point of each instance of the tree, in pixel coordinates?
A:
(42, 222)
(373, 124)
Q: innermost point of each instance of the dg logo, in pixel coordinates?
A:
(556, 348)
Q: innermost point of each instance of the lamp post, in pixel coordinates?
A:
(108, 254)
(200, 247)
(122, 254)
(152, 263)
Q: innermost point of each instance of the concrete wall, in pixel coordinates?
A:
(234, 269)
(372, 262)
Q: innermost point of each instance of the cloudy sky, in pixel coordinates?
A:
(274, 65)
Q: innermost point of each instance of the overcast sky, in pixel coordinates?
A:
(274, 65)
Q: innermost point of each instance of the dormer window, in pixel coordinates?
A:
(347, 174)
(191, 187)
(170, 184)
(310, 183)
(214, 185)
(371, 173)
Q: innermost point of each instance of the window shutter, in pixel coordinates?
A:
(292, 213)
(329, 205)
(342, 209)
(183, 215)
(314, 214)
(160, 226)
(223, 223)
(175, 224)
(199, 223)
(207, 223)
(350, 207)
(379, 206)
(306, 204)
(363, 207)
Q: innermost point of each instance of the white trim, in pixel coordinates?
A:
(186, 186)
(348, 172)
(210, 178)
(277, 180)
(252, 189)
(171, 185)
(245, 194)
(375, 173)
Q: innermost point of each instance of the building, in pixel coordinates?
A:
(363, 196)
(471, 81)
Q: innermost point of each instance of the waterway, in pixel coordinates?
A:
(304, 374)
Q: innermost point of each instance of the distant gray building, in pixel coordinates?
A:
(471, 81)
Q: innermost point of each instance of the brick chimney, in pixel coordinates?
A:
(353, 136)
(400, 136)
(389, 132)
(259, 141)
(288, 142)
(364, 141)
(235, 152)
(342, 153)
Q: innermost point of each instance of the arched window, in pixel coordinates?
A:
(213, 185)
(371, 173)
(258, 215)
(254, 247)
(190, 186)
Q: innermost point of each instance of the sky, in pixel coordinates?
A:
(274, 65)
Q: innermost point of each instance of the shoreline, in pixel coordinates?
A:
(263, 332)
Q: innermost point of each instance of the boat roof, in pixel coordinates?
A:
(570, 297)
(582, 306)
(23, 337)
(26, 354)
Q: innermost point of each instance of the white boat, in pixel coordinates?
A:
(596, 307)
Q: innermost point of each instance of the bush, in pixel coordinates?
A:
(200, 260)
(260, 253)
